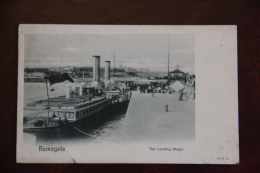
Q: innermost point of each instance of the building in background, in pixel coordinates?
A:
(176, 73)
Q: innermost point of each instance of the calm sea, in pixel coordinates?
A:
(33, 90)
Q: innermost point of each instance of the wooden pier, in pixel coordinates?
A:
(147, 120)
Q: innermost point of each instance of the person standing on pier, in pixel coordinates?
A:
(159, 89)
(190, 86)
(146, 88)
(181, 91)
(141, 89)
(149, 89)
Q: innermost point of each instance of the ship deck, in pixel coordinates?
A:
(61, 101)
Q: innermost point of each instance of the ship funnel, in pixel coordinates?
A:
(107, 71)
(96, 72)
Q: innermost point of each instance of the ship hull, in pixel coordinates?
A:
(88, 121)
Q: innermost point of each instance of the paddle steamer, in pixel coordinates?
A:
(76, 106)
(60, 112)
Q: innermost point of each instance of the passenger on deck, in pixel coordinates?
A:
(99, 92)
(90, 97)
(54, 116)
(60, 122)
(66, 121)
(96, 91)
(71, 92)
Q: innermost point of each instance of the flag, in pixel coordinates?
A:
(58, 77)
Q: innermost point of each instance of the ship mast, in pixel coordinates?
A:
(168, 57)
(114, 63)
(47, 106)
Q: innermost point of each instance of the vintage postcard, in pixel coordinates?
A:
(127, 94)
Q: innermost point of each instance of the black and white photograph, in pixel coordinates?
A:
(127, 94)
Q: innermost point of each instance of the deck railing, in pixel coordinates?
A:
(42, 102)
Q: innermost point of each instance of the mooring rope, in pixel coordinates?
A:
(93, 135)
(83, 132)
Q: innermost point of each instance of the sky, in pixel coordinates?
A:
(136, 51)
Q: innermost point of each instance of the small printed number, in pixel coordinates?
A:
(220, 158)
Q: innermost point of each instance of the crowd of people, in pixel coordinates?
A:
(153, 88)
(187, 91)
